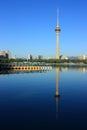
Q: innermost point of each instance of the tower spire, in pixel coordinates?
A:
(57, 17)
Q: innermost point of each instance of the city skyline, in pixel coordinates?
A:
(27, 27)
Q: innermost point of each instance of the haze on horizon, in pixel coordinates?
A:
(28, 27)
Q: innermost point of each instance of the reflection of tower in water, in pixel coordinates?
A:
(57, 90)
(57, 80)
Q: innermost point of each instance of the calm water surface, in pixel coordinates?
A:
(27, 100)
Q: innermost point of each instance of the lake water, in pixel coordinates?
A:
(28, 102)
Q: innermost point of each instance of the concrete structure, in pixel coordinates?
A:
(57, 30)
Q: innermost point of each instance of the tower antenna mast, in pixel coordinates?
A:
(57, 17)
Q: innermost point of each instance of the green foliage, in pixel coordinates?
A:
(42, 60)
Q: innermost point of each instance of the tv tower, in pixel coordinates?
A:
(57, 30)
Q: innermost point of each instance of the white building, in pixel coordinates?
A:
(64, 57)
(82, 57)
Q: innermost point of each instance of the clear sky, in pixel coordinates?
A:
(27, 27)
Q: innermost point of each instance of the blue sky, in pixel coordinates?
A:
(27, 27)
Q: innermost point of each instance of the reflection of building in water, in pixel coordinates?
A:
(82, 69)
(57, 90)
(63, 68)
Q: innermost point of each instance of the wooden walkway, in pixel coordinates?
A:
(25, 68)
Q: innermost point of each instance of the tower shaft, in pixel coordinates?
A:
(57, 46)
(57, 30)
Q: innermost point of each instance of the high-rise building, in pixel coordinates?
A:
(57, 30)
(29, 57)
(5, 54)
(40, 57)
(9, 54)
